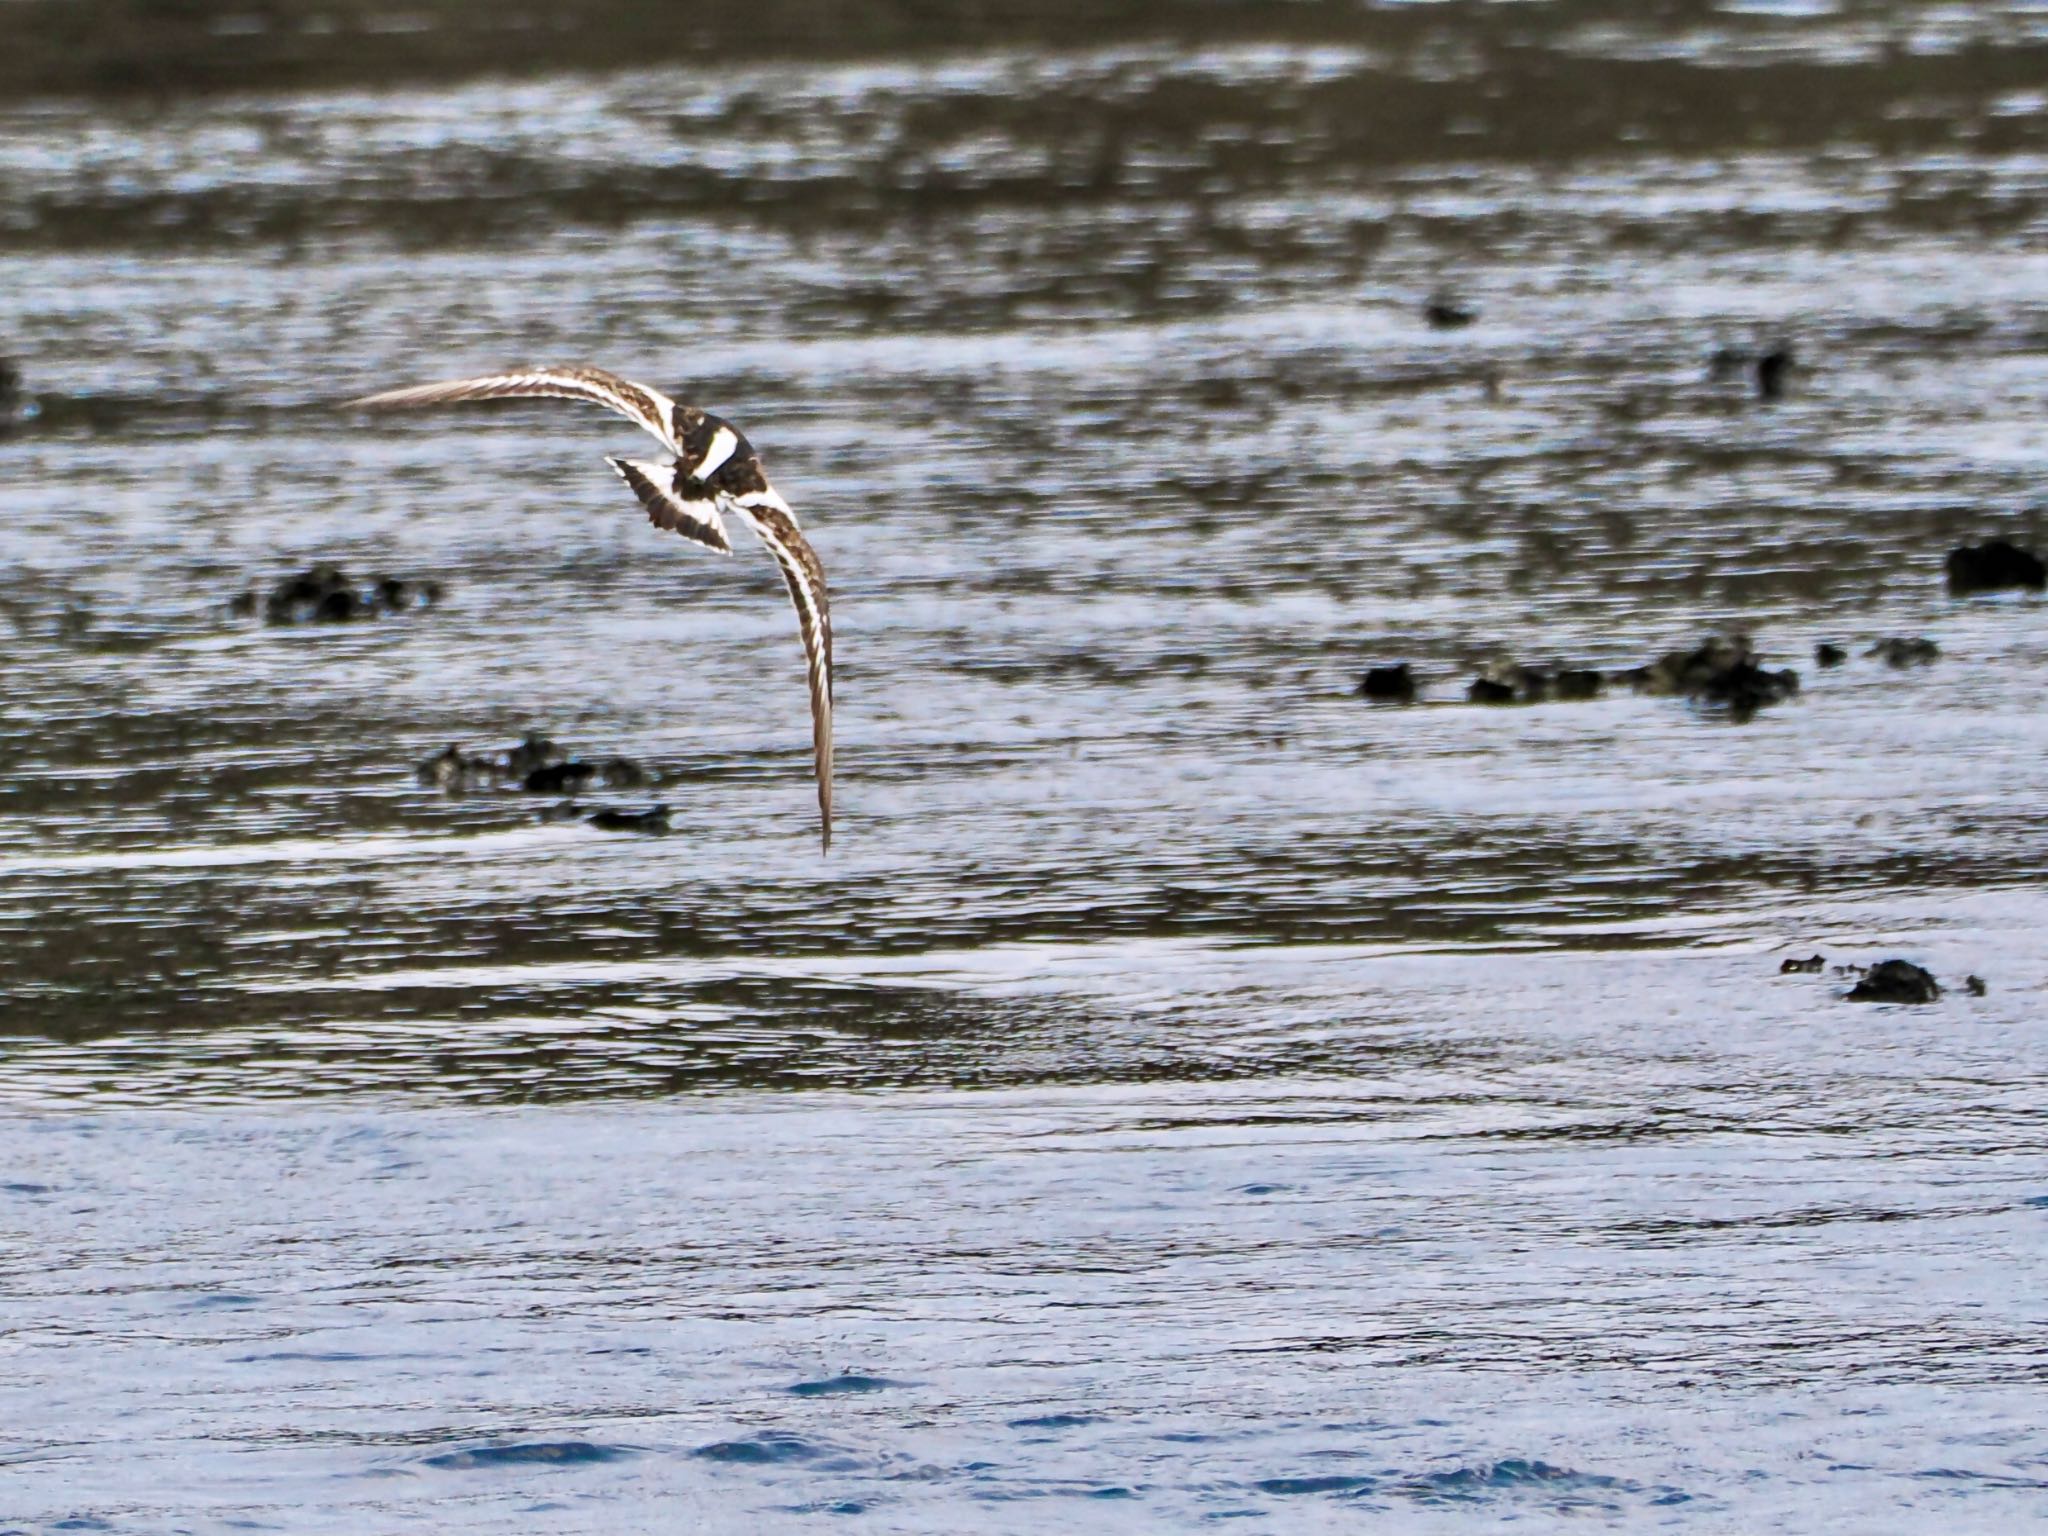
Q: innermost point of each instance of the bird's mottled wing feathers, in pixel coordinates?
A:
(650, 408)
(665, 492)
(769, 516)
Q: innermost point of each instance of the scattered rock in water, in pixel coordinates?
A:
(1895, 981)
(17, 406)
(453, 770)
(1812, 965)
(573, 775)
(1517, 684)
(1769, 370)
(324, 594)
(1772, 369)
(396, 594)
(534, 751)
(1974, 985)
(536, 765)
(1717, 671)
(652, 822)
(1826, 655)
(1522, 685)
(564, 778)
(1993, 567)
(1898, 651)
(1531, 685)
(447, 769)
(1394, 684)
(1445, 313)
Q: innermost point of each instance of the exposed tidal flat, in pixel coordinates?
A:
(1189, 1091)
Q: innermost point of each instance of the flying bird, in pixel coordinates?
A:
(714, 471)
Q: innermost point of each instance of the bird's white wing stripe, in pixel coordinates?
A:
(724, 443)
(765, 498)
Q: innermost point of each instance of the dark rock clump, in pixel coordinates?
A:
(573, 775)
(1490, 690)
(1771, 371)
(1812, 965)
(652, 822)
(1826, 655)
(623, 773)
(18, 407)
(1898, 651)
(1993, 567)
(565, 778)
(1394, 684)
(1895, 981)
(395, 594)
(325, 594)
(457, 771)
(1445, 313)
(534, 751)
(1717, 671)
(453, 771)
(536, 765)
(1974, 985)
(1517, 684)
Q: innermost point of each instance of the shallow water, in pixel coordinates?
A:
(1186, 1091)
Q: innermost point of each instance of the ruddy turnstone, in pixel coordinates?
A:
(714, 471)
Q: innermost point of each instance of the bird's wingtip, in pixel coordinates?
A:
(377, 400)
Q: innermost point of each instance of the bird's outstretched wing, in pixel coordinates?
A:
(674, 501)
(650, 408)
(716, 470)
(771, 519)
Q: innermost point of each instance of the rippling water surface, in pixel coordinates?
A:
(1187, 1090)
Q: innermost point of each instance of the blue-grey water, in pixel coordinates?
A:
(1187, 1092)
